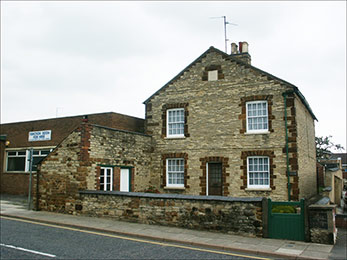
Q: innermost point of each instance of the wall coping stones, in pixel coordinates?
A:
(323, 207)
(171, 196)
(122, 131)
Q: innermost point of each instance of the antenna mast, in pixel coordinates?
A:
(225, 33)
(225, 22)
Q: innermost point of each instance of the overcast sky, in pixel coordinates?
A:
(69, 58)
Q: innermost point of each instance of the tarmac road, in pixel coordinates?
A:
(29, 240)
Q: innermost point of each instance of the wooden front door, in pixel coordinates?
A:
(215, 179)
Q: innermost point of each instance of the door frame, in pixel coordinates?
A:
(207, 183)
(130, 176)
(207, 177)
(225, 173)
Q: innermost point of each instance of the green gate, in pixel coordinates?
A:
(287, 225)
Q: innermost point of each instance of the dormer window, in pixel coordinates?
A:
(212, 75)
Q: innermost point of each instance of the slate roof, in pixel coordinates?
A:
(232, 58)
(343, 157)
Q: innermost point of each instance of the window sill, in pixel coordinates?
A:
(174, 188)
(175, 137)
(257, 133)
(258, 189)
(18, 172)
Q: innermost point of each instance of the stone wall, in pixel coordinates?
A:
(322, 224)
(306, 151)
(241, 216)
(215, 128)
(119, 149)
(60, 176)
(75, 165)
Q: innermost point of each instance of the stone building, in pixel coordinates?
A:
(18, 138)
(220, 127)
(92, 157)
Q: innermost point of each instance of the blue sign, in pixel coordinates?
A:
(44, 135)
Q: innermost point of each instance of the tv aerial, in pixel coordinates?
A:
(225, 22)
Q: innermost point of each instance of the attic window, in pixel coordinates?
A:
(212, 75)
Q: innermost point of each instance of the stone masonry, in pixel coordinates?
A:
(322, 226)
(75, 165)
(214, 134)
(241, 216)
(215, 127)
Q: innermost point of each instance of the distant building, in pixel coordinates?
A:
(343, 158)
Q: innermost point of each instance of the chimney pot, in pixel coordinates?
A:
(240, 47)
(244, 47)
(241, 54)
(233, 48)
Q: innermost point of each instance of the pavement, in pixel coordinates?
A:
(16, 207)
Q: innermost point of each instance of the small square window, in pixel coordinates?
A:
(212, 75)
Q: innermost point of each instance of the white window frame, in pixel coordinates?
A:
(212, 75)
(174, 185)
(168, 135)
(105, 183)
(263, 130)
(16, 156)
(27, 157)
(258, 171)
(207, 180)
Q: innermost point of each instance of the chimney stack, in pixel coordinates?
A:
(241, 53)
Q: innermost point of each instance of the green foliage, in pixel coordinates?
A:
(320, 189)
(283, 209)
(324, 146)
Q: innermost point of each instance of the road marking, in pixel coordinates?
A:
(135, 239)
(28, 250)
